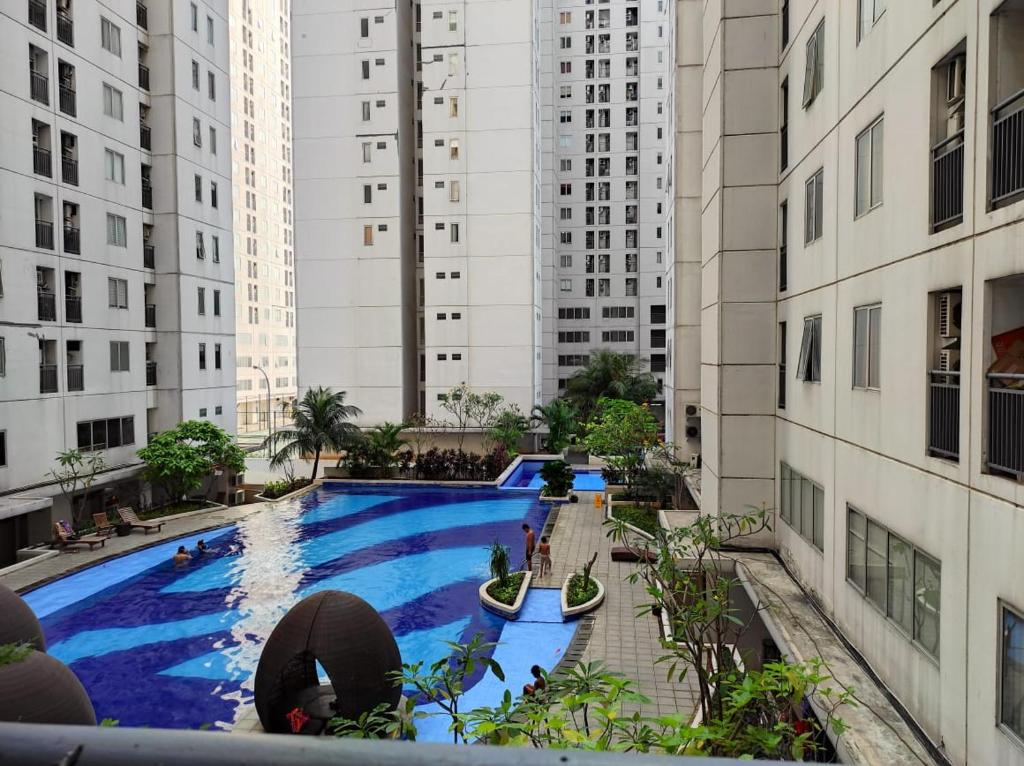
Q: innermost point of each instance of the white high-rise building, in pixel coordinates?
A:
(116, 305)
(261, 151)
(848, 313)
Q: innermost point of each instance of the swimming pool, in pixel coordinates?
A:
(156, 645)
(527, 476)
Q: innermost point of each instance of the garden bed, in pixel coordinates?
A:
(276, 490)
(576, 600)
(506, 601)
(640, 518)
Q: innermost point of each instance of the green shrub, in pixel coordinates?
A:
(558, 478)
(506, 594)
(581, 590)
(640, 516)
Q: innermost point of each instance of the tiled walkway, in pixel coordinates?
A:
(624, 642)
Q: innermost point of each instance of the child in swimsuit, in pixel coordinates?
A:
(545, 557)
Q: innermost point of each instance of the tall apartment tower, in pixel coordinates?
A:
(609, 167)
(417, 167)
(116, 311)
(261, 153)
(848, 314)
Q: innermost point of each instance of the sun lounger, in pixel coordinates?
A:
(62, 540)
(103, 525)
(129, 517)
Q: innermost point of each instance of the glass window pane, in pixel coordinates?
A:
(816, 349)
(877, 548)
(855, 551)
(875, 348)
(863, 178)
(900, 600)
(1011, 678)
(784, 494)
(860, 348)
(876, 164)
(99, 434)
(85, 435)
(819, 519)
(819, 202)
(927, 584)
(807, 509)
(809, 211)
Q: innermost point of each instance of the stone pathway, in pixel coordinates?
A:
(626, 643)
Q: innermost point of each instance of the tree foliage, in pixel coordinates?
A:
(561, 419)
(508, 428)
(321, 422)
(610, 375)
(180, 459)
(75, 472)
(622, 432)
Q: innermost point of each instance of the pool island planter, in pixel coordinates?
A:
(586, 606)
(608, 514)
(508, 611)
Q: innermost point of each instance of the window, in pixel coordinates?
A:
(365, 66)
(103, 434)
(366, 111)
(453, 106)
(202, 356)
(367, 235)
(200, 245)
(114, 166)
(110, 36)
(367, 194)
(213, 194)
(211, 85)
(1011, 665)
(216, 303)
(197, 132)
(453, 21)
(453, 149)
(213, 140)
(366, 151)
(814, 65)
(194, 9)
(565, 285)
(216, 356)
(198, 182)
(454, 231)
(453, 191)
(117, 293)
(3, 434)
(364, 27)
(869, 168)
(868, 14)
(201, 300)
(113, 102)
(453, 64)
(209, 30)
(814, 206)
(216, 248)
(802, 506)
(867, 338)
(808, 367)
(3, 357)
(119, 356)
(195, 75)
(117, 230)
(782, 366)
(903, 581)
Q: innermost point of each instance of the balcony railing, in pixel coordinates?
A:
(141, 16)
(150, 373)
(72, 239)
(48, 379)
(41, 164)
(948, 181)
(44, 234)
(150, 315)
(40, 86)
(944, 414)
(147, 196)
(37, 14)
(73, 308)
(1008, 148)
(65, 29)
(69, 170)
(143, 76)
(148, 257)
(76, 377)
(68, 103)
(1006, 424)
(145, 137)
(47, 305)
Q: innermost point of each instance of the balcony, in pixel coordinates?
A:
(47, 304)
(1008, 148)
(148, 257)
(944, 414)
(72, 240)
(68, 102)
(141, 16)
(41, 164)
(40, 86)
(147, 196)
(48, 379)
(73, 309)
(37, 14)
(44, 234)
(948, 181)
(145, 137)
(143, 76)
(150, 315)
(150, 373)
(1006, 424)
(76, 377)
(69, 170)
(65, 29)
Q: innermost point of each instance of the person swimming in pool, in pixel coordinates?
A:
(182, 556)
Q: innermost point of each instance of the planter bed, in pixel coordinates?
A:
(586, 606)
(632, 515)
(508, 611)
(295, 492)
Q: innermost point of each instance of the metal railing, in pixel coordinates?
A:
(47, 306)
(150, 373)
(41, 164)
(48, 379)
(1008, 148)
(76, 377)
(69, 170)
(944, 414)
(39, 84)
(143, 76)
(44, 234)
(65, 29)
(37, 14)
(72, 239)
(145, 137)
(73, 308)
(147, 196)
(1006, 424)
(148, 256)
(948, 181)
(68, 103)
(150, 315)
(142, 16)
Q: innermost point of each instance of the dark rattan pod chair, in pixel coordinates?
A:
(41, 689)
(19, 624)
(353, 644)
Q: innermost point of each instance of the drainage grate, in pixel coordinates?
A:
(549, 525)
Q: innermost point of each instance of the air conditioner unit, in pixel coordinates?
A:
(694, 460)
(239, 497)
(949, 314)
(692, 411)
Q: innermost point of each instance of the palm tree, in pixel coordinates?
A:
(320, 423)
(610, 375)
(384, 441)
(560, 417)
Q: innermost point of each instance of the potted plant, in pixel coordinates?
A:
(581, 592)
(505, 592)
(558, 480)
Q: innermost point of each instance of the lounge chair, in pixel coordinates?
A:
(103, 525)
(62, 540)
(128, 517)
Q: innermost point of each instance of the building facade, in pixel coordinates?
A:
(848, 312)
(261, 156)
(116, 315)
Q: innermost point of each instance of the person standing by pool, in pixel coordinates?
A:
(531, 543)
(545, 557)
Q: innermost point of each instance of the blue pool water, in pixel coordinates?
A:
(527, 476)
(156, 645)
